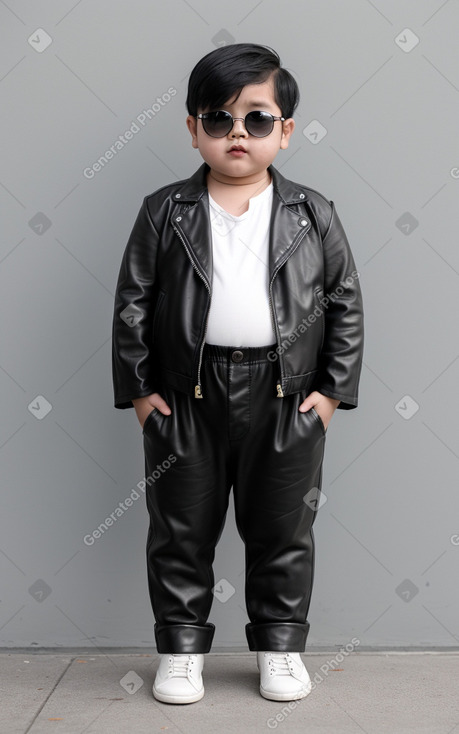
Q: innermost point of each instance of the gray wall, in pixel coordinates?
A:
(387, 536)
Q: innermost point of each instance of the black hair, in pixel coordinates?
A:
(222, 73)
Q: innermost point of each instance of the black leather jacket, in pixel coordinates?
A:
(165, 285)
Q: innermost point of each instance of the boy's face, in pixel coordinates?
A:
(259, 153)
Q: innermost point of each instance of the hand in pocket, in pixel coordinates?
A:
(323, 405)
(144, 406)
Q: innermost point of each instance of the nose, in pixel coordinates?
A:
(238, 129)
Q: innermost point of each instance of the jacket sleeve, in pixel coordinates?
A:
(133, 369)
(342, 350)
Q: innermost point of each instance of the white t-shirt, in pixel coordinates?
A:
(239, 311)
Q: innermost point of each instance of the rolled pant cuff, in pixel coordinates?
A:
(184, 638)
(281, 636)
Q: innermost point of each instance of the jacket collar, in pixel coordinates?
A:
(196, 186)
(193, 223)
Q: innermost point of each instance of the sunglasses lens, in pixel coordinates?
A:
(217, 124)
(259, 124)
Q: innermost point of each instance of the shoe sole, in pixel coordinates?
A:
(285, 696)
(168, 698)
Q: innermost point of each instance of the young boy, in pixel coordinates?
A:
(237, 332)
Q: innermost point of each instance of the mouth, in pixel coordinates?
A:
(237, 150)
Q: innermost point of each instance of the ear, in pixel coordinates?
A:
(192, 125)
(288, 127)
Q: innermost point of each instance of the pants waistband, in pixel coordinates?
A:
(238, 355)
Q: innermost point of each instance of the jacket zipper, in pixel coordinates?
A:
(197, 388)
(280, 393)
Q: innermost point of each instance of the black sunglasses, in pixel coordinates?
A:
(220, 123)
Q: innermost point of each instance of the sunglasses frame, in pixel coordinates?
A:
(204, 116)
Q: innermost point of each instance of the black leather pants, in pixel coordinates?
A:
(240, 435)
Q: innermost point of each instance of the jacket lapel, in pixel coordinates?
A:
(191, 218)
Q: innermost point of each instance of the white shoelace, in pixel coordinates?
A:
(179, 665)
(279, 663)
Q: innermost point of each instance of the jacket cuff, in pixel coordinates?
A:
(125, 401)
(348, 402)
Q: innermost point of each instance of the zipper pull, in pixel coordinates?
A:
(280, 394)
(197, 391)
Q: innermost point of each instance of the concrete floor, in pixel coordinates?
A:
(79, 692)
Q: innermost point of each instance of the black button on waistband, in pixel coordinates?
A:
(237, 355)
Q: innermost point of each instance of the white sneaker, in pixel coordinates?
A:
(179, 678)
(283, 676)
